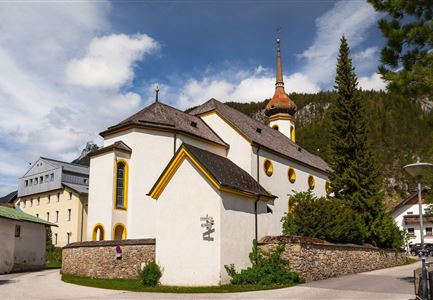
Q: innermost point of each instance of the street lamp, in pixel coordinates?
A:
(418, 170)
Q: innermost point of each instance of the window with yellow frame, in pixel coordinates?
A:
(291, 173)
(276, 127)
(98, 233)
(119, 232)
(311, 182)
(268, 167)
(121, 185)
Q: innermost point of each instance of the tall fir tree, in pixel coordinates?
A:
(356, 178)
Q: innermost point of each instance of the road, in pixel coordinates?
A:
(393, 283)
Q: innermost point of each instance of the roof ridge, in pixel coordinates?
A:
(64, 162)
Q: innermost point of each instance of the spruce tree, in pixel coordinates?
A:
(356, 178)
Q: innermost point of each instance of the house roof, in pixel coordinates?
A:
(117, 146)
(18, 215)
(9, 197)
(69, 167)
(412, 197)
(225, 174)
(164, 117)
(79, 188)
(261, 134)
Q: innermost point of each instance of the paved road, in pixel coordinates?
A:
(394, 283)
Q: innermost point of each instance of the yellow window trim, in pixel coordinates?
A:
(174, 166)
(276, 127)
(269, 170)
(125, 190)
(94, 231)
(292, 133)
(292, 177)
(311, 182)
(123, 233)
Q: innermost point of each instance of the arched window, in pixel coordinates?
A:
(98, 233)
(119, 232)
(292, 175)
(275, 127)
(311, 182)
(292, 133)
(328, 188)
(121, 189)
(269, 169)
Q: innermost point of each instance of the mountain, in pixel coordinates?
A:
(401, 131)
(83, 159)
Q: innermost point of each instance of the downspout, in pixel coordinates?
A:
(82, 221)
(174, 144)
(258, 197)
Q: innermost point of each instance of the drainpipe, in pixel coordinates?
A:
(258, 197)
(82, 221)
(174, 144)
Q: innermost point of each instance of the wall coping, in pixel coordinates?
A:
(111, 243)
(269, 240)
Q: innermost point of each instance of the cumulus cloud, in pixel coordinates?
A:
(349, 18)
(373, 82)
(44, 114)
(109, 60)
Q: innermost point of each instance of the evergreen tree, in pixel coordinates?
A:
(356, 178)
(407, 59)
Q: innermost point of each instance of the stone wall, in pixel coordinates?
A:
(316, 259)
(97, 259)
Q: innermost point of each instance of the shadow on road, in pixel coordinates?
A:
(409, 279)
(6, 281)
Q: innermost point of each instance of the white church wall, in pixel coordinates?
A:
(240, 148)
(284, 126)
(279, 185)
(200, 144)
(186, 258)
(237, 231)
(101, 182)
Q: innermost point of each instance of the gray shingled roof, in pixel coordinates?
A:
(159, 115)
(9, 197)
(119, 146)
(224, 171)
(70, 167)
(79, 188)
(267, 137)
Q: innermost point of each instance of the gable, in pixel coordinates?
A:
(41, 165)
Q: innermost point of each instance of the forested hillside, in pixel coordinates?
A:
(401, 130)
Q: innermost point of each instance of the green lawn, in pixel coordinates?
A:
(136, 286)
(53, 265)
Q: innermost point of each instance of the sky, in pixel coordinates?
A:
(68, 70)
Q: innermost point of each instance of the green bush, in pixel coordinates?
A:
(151, 274)
(267, 268)
(53, 257)
(327, 219)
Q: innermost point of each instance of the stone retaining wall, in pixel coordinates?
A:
(316, 259)
(98, 259)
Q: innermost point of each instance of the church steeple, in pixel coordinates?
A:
(281, 109)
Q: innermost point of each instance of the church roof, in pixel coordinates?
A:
(118, 146)
(261, 134)
(226, 174)
(162, 116)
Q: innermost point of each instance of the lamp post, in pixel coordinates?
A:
(418, 170)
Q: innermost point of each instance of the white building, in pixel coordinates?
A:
(204, 183)
(406, 215)
(23, 241)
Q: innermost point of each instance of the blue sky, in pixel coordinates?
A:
(68, 70)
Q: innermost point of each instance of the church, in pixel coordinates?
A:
(204, 184)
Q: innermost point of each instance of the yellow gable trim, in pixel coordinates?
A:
(172, 168)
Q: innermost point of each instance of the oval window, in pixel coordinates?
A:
(328, 188)
(292, 175)
(311, 182)
(269, 169)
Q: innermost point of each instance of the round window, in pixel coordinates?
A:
(311, 182)
(292, 175)
(269, 169)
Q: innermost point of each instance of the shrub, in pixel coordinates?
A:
(328, 219)
(267, 268)
(151, 274)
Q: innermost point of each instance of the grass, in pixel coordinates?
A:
(135, 285)
(53, 265)
(410, 260)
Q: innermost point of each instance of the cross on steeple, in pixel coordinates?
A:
(156, 93)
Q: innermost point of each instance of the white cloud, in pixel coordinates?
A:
(373, 82)
(349, 18)
(368, 53)
(43, 113)
(109, 60)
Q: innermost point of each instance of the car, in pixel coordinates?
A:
(415, 249)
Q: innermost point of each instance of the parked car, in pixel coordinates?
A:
(415, 249)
